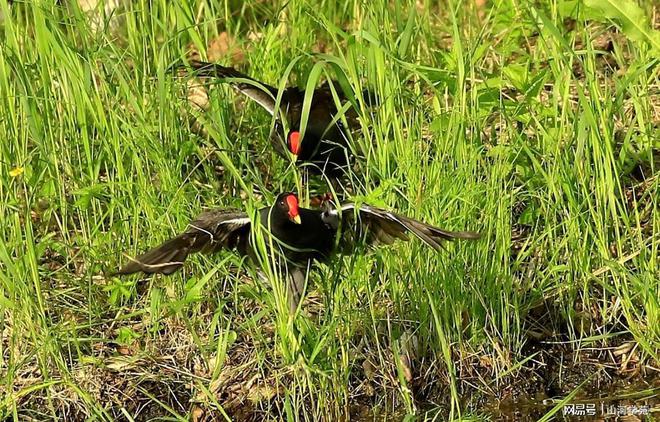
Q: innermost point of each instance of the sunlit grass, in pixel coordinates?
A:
(504, 120)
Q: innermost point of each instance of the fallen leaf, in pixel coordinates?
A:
(623, 349)
(197, 414)
(198, 96)
(261, 393)
(124, 350)
(222, 46)
(254, 36)
(406, 365)
(87, 5)
(486, 362)
(369, 369)
(122, 363)
(480, 5)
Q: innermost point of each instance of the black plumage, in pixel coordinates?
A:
(301, 236)
(325, 142)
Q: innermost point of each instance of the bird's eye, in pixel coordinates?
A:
(281, 203)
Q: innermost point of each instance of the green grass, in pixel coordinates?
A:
(513, 120)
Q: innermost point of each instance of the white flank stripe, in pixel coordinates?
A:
(242, 220)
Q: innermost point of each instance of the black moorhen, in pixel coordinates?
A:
(325, 142)
(301, 236)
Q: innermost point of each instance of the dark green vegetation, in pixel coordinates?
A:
(536, 125)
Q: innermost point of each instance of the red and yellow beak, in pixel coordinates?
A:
(292, 204)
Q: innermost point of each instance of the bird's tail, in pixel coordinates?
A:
(433, 236)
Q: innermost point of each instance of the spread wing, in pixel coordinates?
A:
(211, 231)
(374, 225)
(261, 93)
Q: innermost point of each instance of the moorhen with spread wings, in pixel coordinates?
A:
(301, 236)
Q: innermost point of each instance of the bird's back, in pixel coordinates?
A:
(312, 240)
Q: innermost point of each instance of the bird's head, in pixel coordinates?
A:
(288, 203)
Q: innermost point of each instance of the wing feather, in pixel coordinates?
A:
(261, 93)
(211, 231)
(374, 225)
